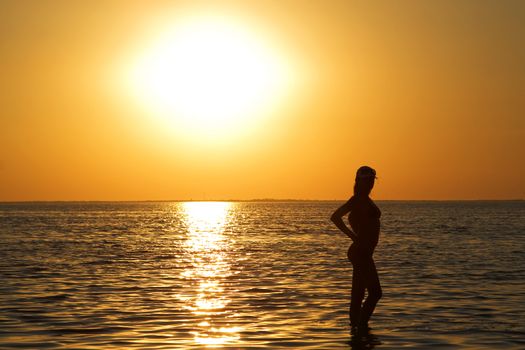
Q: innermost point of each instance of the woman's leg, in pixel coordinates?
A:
(358, 292)
(374, 293)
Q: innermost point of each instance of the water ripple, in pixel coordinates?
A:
(256, 276)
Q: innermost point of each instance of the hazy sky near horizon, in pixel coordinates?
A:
(430, 93)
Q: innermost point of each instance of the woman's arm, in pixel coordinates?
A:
(337, 219)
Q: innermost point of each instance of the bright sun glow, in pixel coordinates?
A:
(209, 75)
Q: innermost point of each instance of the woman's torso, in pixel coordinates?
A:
(365, 222)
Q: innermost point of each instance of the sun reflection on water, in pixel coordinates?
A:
(208, 249)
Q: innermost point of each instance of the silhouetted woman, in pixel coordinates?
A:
(364, 220)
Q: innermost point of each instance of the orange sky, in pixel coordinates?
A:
(431, 94)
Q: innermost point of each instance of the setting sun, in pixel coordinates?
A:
(208, 75)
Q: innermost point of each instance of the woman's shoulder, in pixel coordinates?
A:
(358, 202)
(359, 199)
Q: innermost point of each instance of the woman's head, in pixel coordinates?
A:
(364, 181)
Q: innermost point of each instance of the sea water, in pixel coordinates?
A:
(257, 275)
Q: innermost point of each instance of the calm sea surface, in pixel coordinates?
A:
(256, 275)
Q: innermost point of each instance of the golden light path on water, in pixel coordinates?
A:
(207, 249)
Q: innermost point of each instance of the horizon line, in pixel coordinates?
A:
(249, 200)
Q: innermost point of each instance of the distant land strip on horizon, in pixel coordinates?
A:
(256, 200)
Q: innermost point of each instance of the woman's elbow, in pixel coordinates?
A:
(335, 218)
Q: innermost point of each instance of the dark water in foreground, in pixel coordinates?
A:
(256, 275)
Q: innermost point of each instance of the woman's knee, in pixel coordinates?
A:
(375, 293)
